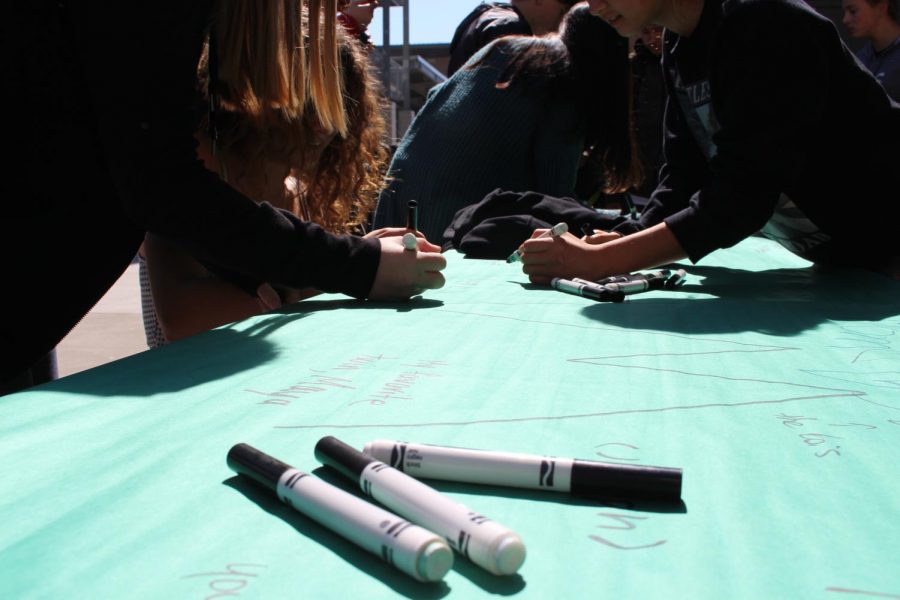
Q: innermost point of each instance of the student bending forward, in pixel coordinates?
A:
(518, 116)
(771, 125)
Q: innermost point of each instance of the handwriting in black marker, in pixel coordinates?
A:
(813, 392)
(793, 421)
(625, 523)
(861, 592)
(230, 581)
(604, 455)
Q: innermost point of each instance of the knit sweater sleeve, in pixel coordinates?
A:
(768, 79)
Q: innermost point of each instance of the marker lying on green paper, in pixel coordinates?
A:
(486, 543)
(580, 477)
(410, 548)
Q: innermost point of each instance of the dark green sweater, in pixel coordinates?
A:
(471, 138)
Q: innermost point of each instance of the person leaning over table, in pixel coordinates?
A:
(106, 101)
(878, 21)
(520, 116)
(492, 20)
(771, 125)
(321, 177)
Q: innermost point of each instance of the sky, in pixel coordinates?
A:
(430, 21)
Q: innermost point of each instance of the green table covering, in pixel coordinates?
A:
(773, 384)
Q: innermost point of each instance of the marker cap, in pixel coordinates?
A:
(509, 555)
(434, 561)
(605, 480)
(347, 460)
(559, 229)
(409, 241)
(258, 466)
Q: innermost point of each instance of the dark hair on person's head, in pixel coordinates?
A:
(589, 60)
(893, 8)
(602, 75)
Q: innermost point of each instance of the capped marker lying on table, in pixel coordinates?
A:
(587, 478)
(655, 281)
(630, 277)
(410, 548)
(486, 543)
(555, 231)
(588, 290)
(610, 279)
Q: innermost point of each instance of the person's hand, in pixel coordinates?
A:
(267, 297)
(405, 273)
(564, 256)
(601, 237)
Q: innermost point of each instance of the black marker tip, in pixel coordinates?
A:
(347, 460)
(258, 466)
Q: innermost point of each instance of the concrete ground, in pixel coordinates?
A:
(112, 330)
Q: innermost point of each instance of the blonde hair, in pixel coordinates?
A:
(339, 190)
(277, 59)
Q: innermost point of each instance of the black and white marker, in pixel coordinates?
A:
(410, 548)
(579, 477)
(486, 543)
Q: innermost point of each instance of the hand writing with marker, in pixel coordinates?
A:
(402, 274)
(600, 255)
(544, 258)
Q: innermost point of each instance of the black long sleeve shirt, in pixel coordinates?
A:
(100, 107)
(772, 125)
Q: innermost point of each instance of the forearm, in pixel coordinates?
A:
(567, 256)
(642, 250)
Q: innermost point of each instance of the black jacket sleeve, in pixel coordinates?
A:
(768, 81)
(139, 60)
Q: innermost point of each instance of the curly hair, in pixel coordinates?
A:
(336, 188)
(343, 188)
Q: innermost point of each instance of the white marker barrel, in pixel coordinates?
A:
(530, 471)
(475, 466)
(486, 543)
(409, 241)
(410, 548)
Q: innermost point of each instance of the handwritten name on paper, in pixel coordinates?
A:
(342, 377)
(230, 582)
(868, 342)
(399, 387)
(622, 523)
(318, 380)
(826, 444)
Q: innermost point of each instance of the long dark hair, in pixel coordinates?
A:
(892, 8)
(589, 61)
